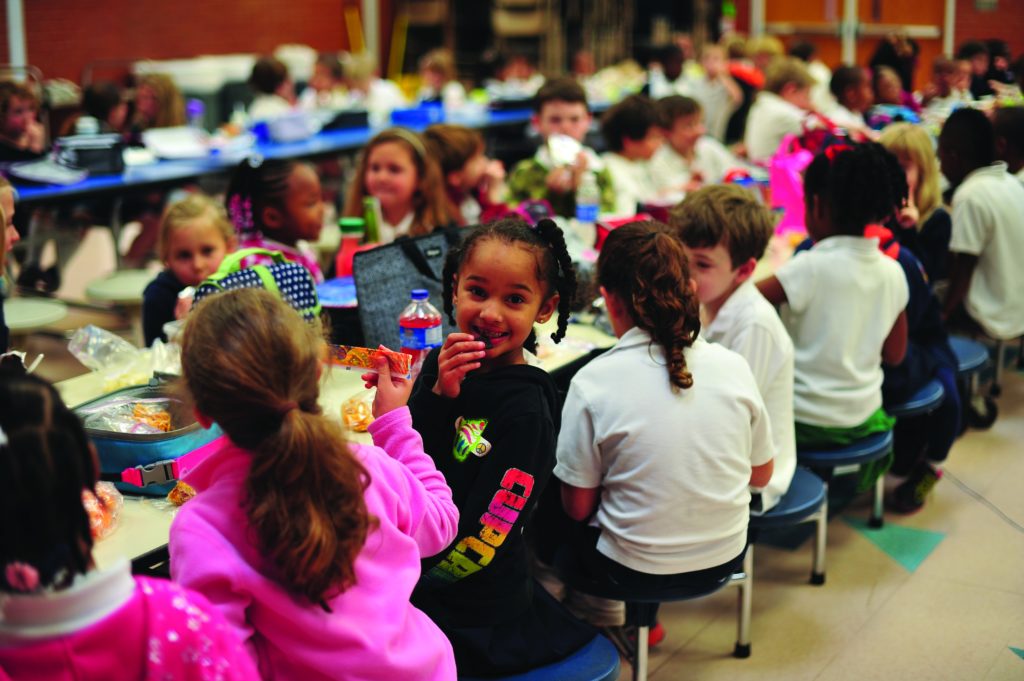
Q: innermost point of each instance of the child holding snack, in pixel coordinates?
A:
(396, 169)
(61, 616)
(489, 421)
(560, 112)
(474, 183)
(277, 205)
(660, 512)
(308, 545)
(22, 136)
(689, 158)
(194, 238)
(725, 231)
(843, 301)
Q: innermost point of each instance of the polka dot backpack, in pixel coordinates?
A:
(288, 279)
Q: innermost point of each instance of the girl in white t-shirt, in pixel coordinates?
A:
(662, 435)
(843, 301)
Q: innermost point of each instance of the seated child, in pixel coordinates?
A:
(851, 87)
(888, 88)
(365, 89)
(560, 108)
(632, 131)
(194, 238)
(717, 92)
(396, 169)
(725, 231)
(61, 616)
(923, 226)
(275, 91)
(439, 78)
(843, 302)
(309, 546)
(1008, 127)
(662, 436)
(780, 109)
(689, 158)
(807, 52)
(326, 89)
(475, 184)
(158, 103)
(277, 205)
(986, 282)
(22, 136)
(502, 414)
(950, 86)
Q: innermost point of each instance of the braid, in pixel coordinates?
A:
(565, 278)
(256, 184)
(646, 267)
(451, 267)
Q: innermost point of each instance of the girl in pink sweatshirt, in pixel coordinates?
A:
(61, 618)
(309, 546)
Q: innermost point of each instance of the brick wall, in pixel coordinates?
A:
(63, 36)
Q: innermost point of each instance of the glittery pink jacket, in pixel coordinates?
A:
(371, 631)
(162, 632)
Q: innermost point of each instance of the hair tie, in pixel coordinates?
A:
(21, 577)
(287, 407)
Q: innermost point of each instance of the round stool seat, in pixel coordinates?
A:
(925, 400)
(121, 288)
(28, 314)
(970, 354)
(802, 499)
(596, 661)
(866, 449)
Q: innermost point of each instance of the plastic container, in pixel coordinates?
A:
(195, 110)
(419, 328)
(352, 232)
(588, 205)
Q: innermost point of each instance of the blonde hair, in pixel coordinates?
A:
(171, 112)
(785, 70)
(429, 201)
(911, 143)
(440, 61)
(190, 208)
(5, 186)
(766, 44)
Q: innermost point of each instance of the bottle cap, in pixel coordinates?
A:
(419, 294)
(351, 225)
(195, 107)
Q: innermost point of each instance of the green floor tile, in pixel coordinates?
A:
(906, 545)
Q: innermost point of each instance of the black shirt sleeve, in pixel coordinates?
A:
(158, 302)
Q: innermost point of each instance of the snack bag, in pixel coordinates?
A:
(354, 357)
(357, 411)
(104, 509)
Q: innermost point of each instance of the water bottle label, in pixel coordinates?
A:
(586, 212)
(420, 339)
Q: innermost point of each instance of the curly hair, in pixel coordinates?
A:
(304, 489)
(860, 185)
(554, 265)
(257, 183)
(644, 264)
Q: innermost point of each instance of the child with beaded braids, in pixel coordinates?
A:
(277, 205)
(489, 421)
(843, 301)
(662, 436)
(62, 616)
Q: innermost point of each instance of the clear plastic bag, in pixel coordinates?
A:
(120, 363)
(131, 415)
(357, 411)
(104, 509)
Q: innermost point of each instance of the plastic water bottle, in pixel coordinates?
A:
(194, 111)
(419, 328)
(588, 204)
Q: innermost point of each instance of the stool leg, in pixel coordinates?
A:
(876, 521)
(640, 665)
(820, 541)
(745, 598)
(997, 385)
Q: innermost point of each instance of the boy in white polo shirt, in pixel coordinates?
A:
(725, 232)
(986, 281)
(780, 109)
(631, 129)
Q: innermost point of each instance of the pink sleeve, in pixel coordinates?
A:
(200, 562)
(429, 516)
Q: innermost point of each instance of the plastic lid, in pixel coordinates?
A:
(195, 107)
(350, 225)
(419, 294)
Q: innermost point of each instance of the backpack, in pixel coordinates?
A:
(290, 280)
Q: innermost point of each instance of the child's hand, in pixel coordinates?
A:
(494, 171)
(909, 216)
(182, 307)
(560, 180)
(392, 391)
(460, 354)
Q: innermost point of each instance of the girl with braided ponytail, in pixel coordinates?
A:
(304, 542)
(489, 420)
(662, 435)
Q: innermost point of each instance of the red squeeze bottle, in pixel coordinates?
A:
(352, 232)
(419, 328)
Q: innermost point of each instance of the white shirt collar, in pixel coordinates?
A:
(90, 598)
(389, 232)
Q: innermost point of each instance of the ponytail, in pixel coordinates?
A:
(304, 490)
(645, 266)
